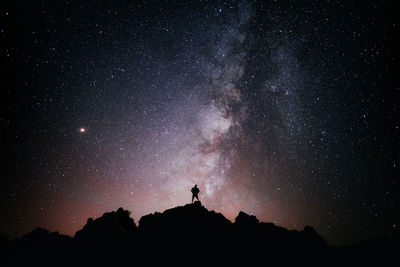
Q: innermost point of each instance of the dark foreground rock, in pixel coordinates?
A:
(188, 235)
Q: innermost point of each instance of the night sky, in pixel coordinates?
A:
(287, 110)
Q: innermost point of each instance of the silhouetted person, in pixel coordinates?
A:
(195, 192)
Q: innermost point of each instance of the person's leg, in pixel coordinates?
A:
(192, 198)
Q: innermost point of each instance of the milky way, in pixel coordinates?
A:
(283, 109)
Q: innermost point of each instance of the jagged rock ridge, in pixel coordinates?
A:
(179, 235)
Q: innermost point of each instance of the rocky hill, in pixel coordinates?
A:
(187, 234)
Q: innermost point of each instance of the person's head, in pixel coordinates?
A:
(195, 185)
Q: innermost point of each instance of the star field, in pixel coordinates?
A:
(283, 109)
